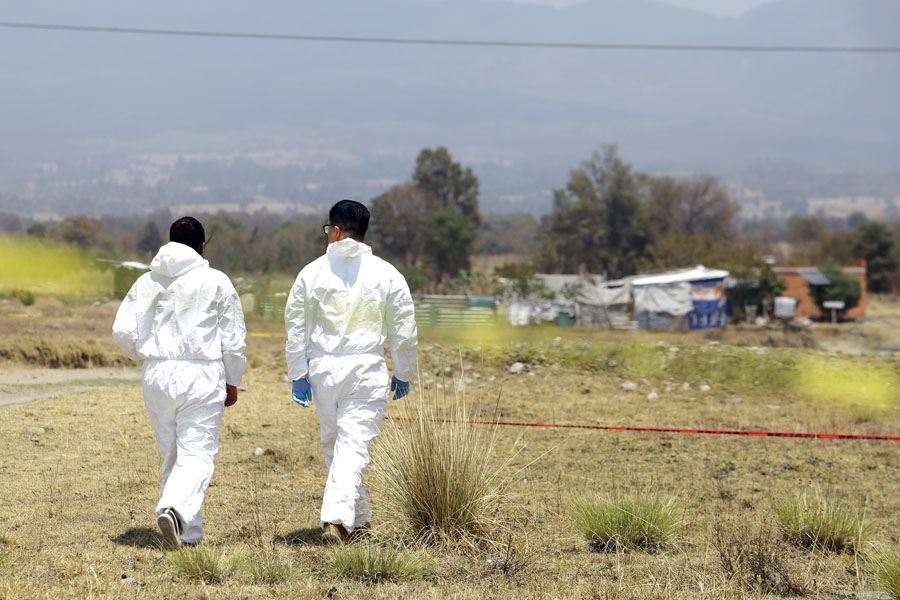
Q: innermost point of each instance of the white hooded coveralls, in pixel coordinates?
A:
(341, 309)
(184, 320)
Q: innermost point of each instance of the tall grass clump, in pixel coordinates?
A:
(820, 524)
(889, 573)
(626, 522)
(373, 563)
(200, 563)
(436, 478)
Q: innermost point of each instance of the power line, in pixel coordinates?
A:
(449, 42)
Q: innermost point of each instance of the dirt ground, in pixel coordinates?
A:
(79, 472)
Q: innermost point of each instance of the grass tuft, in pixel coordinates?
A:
(268, 569)
(436, 479)
(374, 563)
(624, 522)
(200, 563)
(889, 573)
(820, 524)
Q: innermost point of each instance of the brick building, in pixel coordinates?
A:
(798, 280)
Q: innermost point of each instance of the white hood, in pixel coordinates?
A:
(175, 259)
(348, 248)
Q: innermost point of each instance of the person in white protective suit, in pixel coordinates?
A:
(184, 320)
(341, 309)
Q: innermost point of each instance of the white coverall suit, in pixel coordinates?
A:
(341, 309)
(184, 320)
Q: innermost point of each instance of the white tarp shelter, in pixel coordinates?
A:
(659, 298)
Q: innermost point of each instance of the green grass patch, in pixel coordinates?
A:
(626, 522)
(371, 562)
(200, 563)
(889, 573)
(821, 524)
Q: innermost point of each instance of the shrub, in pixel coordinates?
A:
(24, 296)
(754, 560)
(821, 524)
(889, 573)
(373, 563)
(623, 522)
(436, 478)
(200, 563)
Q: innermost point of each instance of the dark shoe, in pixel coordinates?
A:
(360, 532)
(171, 529)
(333, 535)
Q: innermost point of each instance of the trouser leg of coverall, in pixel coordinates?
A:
(185, 403)
(346, 428)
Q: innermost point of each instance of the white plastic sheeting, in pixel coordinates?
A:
(673, 298)
(534, 311)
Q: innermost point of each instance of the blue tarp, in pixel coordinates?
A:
(708, 298)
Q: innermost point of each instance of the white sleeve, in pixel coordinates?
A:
(125, 327)
(402, 333)
(232, 334)
(297, 336)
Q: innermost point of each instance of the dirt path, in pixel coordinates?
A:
(24, 385)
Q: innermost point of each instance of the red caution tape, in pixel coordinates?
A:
(785, 434)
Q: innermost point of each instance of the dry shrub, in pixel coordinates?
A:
(753, 558)
(60, 353)
(436, 478)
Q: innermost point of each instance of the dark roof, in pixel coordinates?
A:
(814, 276)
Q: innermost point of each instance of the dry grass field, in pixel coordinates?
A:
(79, 469)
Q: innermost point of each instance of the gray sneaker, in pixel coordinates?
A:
(171, 529)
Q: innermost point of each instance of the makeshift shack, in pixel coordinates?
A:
(603, 304)
(692, 298)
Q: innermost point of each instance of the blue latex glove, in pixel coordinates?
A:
(301, 393)
(400, 388)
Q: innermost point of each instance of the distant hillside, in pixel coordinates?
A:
(84, 102)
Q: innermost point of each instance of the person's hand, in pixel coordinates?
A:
(301, 393)
(230, 395)
(400, 388)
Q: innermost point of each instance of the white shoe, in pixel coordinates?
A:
(170, 528)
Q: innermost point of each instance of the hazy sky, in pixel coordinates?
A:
(727, 8)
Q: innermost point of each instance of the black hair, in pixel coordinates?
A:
(352, 217)
(188, 231)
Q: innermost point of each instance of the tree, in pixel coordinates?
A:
(448, 183)
(38, 230)
(447, 237)
(876, 243)
(10, 223)
(805, 229)
(842, 288)
(754, 287)
(596, 220)
(396, 216)
(79, 230)
(515, 233)
(695, 206)
(521, 281)
(149, 239)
